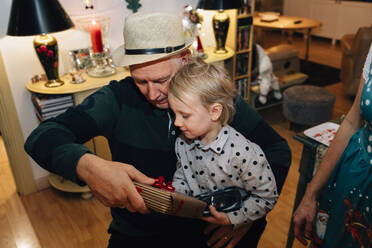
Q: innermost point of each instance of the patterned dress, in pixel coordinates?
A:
(344, 218)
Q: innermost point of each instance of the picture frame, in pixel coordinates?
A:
(80, 59)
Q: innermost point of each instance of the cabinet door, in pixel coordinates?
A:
(327, 12)
(298, 8)
(352, 16)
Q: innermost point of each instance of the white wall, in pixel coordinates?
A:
(4, 16)
(21, 62)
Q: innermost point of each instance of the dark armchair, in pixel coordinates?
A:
(354, 51)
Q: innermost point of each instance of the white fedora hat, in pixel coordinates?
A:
(149, 37)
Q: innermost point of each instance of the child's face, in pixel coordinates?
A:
(194, 119)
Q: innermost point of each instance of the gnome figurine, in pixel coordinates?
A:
(266, 78)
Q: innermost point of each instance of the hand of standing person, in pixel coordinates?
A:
(111, 182)
(303, 219)
(304, 216)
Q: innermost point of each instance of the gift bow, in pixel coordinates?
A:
(161, 184)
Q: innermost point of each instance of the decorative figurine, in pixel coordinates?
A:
(266, 78)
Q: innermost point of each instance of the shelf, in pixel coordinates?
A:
(243, 51)
(241, 76)
(268, 105)
(242, 16)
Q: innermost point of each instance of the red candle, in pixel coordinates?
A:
(96, 36)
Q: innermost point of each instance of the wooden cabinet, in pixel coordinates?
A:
(327, 12)
(337, 17)
(297, 8)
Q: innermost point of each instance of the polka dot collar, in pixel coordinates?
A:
(217, 145)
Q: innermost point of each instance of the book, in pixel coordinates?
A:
(244, 33)
(43, 99)
(48, 106)
(242, 87)
(242, 64)
(56, 107)
(43, 117)
(172, 203)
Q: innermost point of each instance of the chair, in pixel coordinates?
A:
(354, 51)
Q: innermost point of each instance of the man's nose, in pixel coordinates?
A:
(152, 91)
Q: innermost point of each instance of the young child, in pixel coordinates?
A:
(211, 154)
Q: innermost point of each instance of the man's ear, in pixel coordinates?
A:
(215, 111)
(185, 57)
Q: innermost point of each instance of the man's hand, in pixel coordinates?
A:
(225, 235)
(111, 182)
(303, 219)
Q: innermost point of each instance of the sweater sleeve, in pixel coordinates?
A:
(248, 122)
(57, 144)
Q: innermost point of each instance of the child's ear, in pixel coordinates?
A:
(215, 111)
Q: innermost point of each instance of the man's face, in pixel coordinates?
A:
(153, 80)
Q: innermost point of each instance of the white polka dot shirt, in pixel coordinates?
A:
(230, 160)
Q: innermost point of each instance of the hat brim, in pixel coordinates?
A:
(121, 59)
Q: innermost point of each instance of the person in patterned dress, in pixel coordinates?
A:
(336, 208)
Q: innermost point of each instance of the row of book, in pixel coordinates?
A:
(242, 87)
(244, 33)
(246, 7)
(48, 106)
(242, 64)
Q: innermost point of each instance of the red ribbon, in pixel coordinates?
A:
(161, 184)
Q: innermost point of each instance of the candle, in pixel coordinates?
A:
(96, 36)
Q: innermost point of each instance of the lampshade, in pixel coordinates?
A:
(33, 17)
(219, 4)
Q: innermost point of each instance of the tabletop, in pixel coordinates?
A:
(287, 22)
(214, 57)
(70, 88)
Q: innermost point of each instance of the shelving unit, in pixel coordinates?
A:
(242, 60)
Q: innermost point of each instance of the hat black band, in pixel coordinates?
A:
(153, 50)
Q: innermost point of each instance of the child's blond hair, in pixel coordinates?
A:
(212, 84)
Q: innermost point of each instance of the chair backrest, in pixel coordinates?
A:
(360, 48)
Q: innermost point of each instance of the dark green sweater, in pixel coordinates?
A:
(138, 134)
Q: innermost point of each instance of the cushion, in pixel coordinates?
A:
(307, 104)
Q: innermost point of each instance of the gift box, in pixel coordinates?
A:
(173, 203)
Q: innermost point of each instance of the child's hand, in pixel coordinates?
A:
(219, 218)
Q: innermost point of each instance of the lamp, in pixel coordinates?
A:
(221, 19)
(40, 17)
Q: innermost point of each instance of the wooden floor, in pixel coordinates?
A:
(54, 219)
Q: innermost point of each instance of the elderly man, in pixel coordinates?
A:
(133, 115)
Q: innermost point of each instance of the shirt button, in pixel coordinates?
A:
(173, 132)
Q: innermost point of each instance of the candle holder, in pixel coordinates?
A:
(104, 21)
(101, 66)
